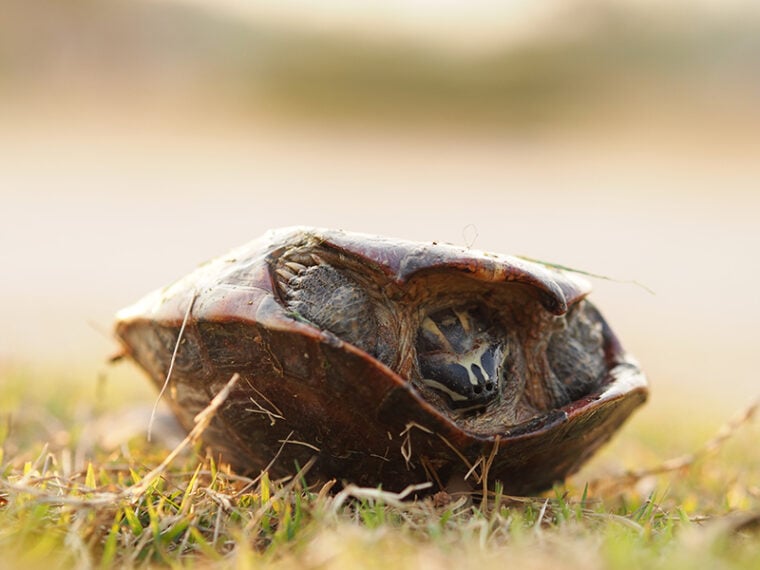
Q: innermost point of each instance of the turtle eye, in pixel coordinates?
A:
(460, 355)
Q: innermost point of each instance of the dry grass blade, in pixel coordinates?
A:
(272, 415)
(202, 421)
(252, 482)
(486, 468)
(621, 520)
(387, 497)
(279, 497)
(96, 499)
(711, 446)
(188, 514)
(540, 518)
(171, 362)
(587, 273)
(406, 445)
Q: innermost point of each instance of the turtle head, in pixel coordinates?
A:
(460, 356)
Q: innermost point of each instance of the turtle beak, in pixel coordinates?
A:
(469, 381)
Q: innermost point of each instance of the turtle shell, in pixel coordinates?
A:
(388, 362)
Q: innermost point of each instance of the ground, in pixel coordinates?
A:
(81, 487)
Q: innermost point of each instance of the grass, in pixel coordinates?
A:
(67, 499)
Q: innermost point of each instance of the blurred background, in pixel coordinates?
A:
(140, 138)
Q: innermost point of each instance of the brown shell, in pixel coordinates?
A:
(305, 393)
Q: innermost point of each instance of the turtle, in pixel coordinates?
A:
(387, 362)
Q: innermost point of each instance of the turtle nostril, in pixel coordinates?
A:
(478, 389)
(489, 386)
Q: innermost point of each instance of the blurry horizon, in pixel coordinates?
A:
(479, 25)
(139, 139)
(551, 62)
